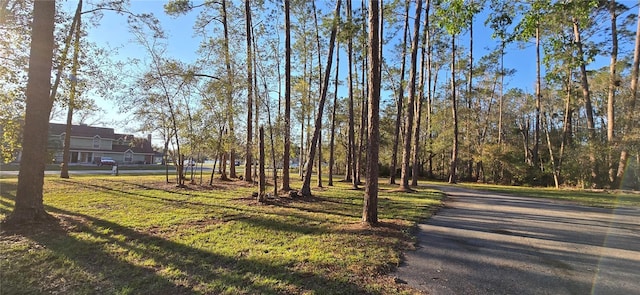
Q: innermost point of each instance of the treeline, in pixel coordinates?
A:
(299, 68)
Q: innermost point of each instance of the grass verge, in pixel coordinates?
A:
(56, 167)
(138, 235)
(599, 198)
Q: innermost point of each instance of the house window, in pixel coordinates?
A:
(128, 156)
(96, 142)
(85, 157)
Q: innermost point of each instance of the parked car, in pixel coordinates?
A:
(107, 161)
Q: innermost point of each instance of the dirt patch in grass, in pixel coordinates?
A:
(280, 200)
(395, 229)
(59, 223)
(188, 186)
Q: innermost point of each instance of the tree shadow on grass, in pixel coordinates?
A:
(7, 192)
(125, 193)
(106, 251)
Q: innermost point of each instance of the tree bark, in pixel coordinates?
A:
(261, 179)
(555, 171)
(469, 100)
(408, 125)
(306, 186)
(64, 53)
(287, 99)
(320, 157)
(370, 206)
(333, 118)
(361, 157)
(273, 149)
(432, 79)
(399, 100)
(29, 207)
(611, 98)
(418, 106)
(584, 83)
(229, 86)
(630, 110)
(454, 111)
(249, 149)
(351, 167)
(536, 134)
(64, 171)
(317, 31)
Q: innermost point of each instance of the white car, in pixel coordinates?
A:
(107, 161)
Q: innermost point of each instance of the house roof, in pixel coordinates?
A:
(138, 145)
(135, 144)
(81, 130)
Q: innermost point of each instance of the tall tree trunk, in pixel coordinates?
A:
(317, 31)
(399, 99)
(307, 109)
(406, 152)
(223, 166)
(554, 167)
(418, 103)
(566, 127)
(303, 127)
(360, 159)
(536, 134)
(469, 99)
(567, 130)
(287, 99)
(29, 207)
(262, 181)
(333, 117)
(611, 98)
(319, 157)
(363, 120)
(306, 186)
(454, 110)
(501, 100)
(257, 99)
(351, 167)
(273, 150)
(630, 111)
(249, 150)
(64, 171)
(165, 154)
(432, 75)
(64, 53)
(584, 83)
(228, 92)
(370, 205)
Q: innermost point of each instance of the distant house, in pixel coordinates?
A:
(89, 144)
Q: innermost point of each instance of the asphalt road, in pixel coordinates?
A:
(486, 243)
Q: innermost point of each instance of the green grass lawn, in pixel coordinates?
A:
(54, 167)
(602, 198)
(138, 235)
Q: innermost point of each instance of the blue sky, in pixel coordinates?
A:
(182, 45)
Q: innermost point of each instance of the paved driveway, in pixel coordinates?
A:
(487, 243)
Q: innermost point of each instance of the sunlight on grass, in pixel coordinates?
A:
(131, 234)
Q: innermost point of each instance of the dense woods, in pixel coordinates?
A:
(451, 107)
